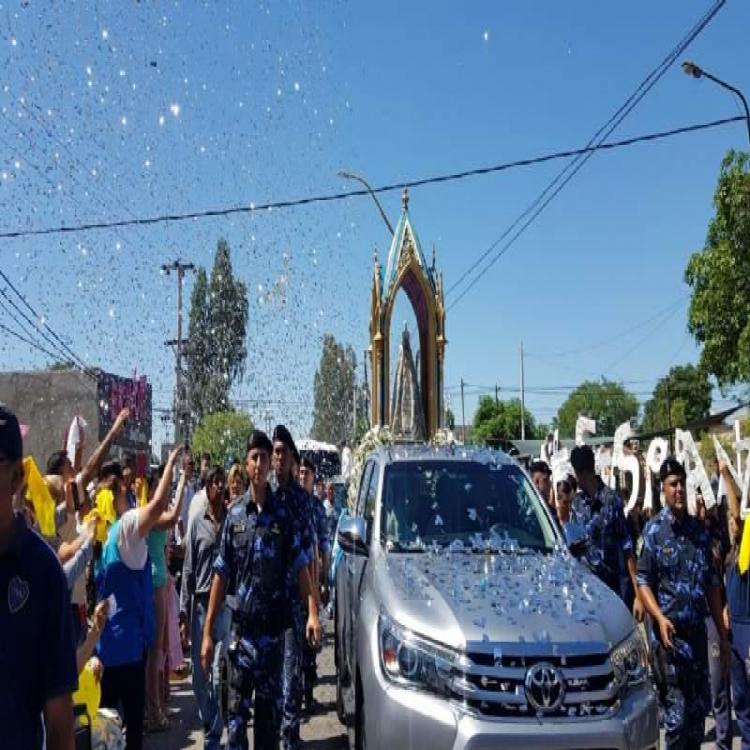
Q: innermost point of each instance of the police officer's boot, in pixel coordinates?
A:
(309, 700)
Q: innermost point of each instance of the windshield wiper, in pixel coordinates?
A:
(393, 546)
(518, 549)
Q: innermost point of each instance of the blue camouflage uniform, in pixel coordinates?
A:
(298, 506)
(259, 552)
(609, 544)
(309, 654)
(675, 563)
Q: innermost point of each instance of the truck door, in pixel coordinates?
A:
(366, 502)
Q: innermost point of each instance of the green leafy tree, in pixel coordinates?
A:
(223, 435)
(684, 395)
(216, 333)
(607, 402)
(498, 421)
(450, 419)
(334, 392)
(61, 365)
(197, 348)
(719, 314)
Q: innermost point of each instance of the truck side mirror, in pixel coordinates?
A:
(351, 536)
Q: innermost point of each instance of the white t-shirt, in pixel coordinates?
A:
(198, 506)
(192, 488)
(132, 546)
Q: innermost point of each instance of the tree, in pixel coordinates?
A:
(216, 335)
(223, 435)
(719, 313)
(450, 419)
(684, 394)
(61, 365)
(197, 347)
(334, 392)
(607, 402)
(498, 421)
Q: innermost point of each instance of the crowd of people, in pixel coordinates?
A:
(229, 567)
(681, 575)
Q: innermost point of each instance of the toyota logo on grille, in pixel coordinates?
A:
(545, 689)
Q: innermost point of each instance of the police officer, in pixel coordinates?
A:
(258, 555)
(323, 548)
(297, 504)
(676, 579)
(600, 511)
(38, 673)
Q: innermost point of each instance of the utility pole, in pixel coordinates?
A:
(523, 400)
(180, 407)
(497, 396)
(463, 414)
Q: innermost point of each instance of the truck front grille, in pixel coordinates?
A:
(496, 686)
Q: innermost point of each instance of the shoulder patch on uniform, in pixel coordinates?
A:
(18, 594)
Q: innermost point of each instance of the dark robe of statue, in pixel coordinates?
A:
(407, 414)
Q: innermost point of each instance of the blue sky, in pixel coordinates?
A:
(111, 110)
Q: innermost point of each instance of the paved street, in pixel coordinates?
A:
(322, 732)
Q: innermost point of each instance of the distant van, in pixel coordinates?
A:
(324, 456)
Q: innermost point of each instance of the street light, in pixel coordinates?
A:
(352, 176)
(691, 69)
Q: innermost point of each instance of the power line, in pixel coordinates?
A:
(8, 310)
(541, 202)
(76, 359)
(332, 197)
(662, 320)
(29, 342)
(29, 327)
(612, 338)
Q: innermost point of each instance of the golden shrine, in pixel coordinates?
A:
(407, 269)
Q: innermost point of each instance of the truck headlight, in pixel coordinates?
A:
(630, 661)
(412, 661)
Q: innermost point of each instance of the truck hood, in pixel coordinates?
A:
(548, 602)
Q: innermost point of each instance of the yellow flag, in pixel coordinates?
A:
(743, 558)
(141, 492)
(89, 691)
(39, 495)
(105, 509)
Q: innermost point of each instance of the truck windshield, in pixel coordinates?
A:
(482, 506)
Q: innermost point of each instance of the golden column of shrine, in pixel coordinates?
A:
(407, 269)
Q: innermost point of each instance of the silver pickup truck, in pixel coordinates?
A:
(462, 621)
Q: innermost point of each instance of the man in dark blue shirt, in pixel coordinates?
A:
(258, 555)
(596, 507)
(320, 579)
(37, 657)
(297, 503)
(679, 584)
